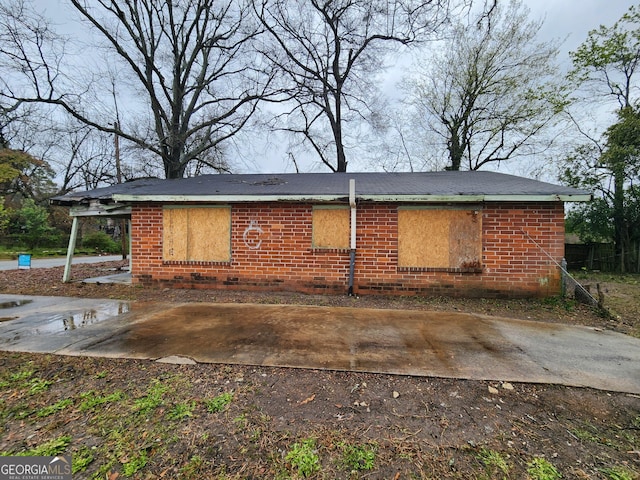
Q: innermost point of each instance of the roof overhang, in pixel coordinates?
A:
(344, 198)
(97, 209)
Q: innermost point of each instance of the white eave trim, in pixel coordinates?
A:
(538, 198)
(344, 197)
(97, 209)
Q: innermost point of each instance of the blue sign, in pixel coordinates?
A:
(24, 260)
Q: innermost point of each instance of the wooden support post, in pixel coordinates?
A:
(66, 277)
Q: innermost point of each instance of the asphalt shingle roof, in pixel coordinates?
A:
(311, 185)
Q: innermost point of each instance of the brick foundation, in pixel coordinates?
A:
(514, 264)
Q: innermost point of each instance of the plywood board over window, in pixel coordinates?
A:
(196, 234)
(331, 226)
(439, 238)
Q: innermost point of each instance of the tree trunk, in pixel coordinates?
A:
(174, 167)
(618, 217)
(455, 151)
(341, 157)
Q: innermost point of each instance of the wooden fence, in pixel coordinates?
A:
(600, 256)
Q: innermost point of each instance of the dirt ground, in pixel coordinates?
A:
(141, 419)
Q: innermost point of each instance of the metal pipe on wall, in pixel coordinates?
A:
(352, 243)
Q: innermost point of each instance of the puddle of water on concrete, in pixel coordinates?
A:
(66, 322)
(15, 303)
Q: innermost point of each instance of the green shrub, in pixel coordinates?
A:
(100, 242)
(30, 226)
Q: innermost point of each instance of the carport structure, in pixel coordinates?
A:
(96, 203)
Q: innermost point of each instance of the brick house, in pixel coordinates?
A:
(444, 233)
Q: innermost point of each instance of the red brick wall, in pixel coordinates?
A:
(281, 257)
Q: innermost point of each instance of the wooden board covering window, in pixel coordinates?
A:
(331, 227)
(431, 238)
(196, 234)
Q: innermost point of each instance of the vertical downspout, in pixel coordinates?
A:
(130, 244)
(352, 246)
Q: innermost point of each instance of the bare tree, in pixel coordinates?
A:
(492, 91)
(83, 158)
(329, 53)
(190, 64)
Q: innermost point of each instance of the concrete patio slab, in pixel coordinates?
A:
(408, 342)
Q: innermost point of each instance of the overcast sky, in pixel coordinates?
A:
(574, 18)
(568, 20)
(563, 18)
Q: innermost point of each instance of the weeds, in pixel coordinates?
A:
(195, 465)
(358, 457)
(47, 449)
(91, 399)
(493, 460)
(153, 399)
(21, 375)
(56, 407)
(181, 410)
(38, 385)
(619, 473)
(303, 456)
(219, 403)
(134, 465)
(567, 304)
(176, 438)
(541, 469)
(81, 460)
(241, 421)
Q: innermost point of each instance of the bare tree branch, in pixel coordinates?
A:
(329, 54)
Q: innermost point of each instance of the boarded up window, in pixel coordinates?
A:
(429, 238)
(196, 234)
(331, 227)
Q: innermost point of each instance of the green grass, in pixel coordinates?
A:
(38, 385)
(181, 411)
(91, 399)
(47, 449)
(219, 403)
(21, 375)
(137, 463)
(11, 253)
(81, 460)
(541, 469)
(628, 278)
(56, 407)
(493, 462)
(153, 399)
(619, 473)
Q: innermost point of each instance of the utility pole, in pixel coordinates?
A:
(123, 222)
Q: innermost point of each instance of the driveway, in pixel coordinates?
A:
(407, 342)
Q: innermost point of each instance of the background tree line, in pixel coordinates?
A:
(185, 86)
